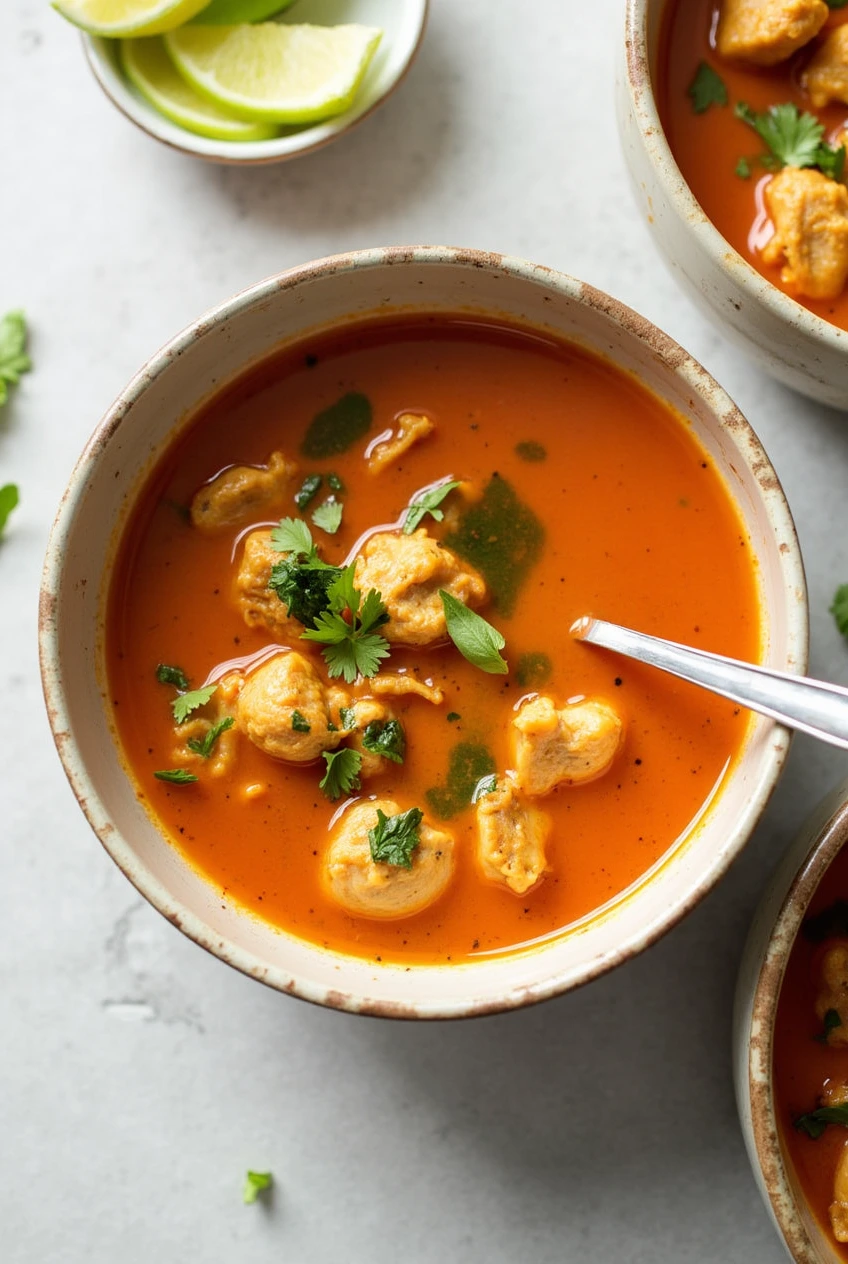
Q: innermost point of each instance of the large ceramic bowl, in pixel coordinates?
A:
(156, 405)
(773, 930)
(785, 339)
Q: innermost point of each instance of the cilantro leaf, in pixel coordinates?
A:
(743, 169)
(346, 629)
(328, 516)
(308, 491)
(427, 502)
(347, 715)
(300, 724)
(386, 738)
(176, 776)
(793, 139)
(342, 773)
(255, 1183)
(394, 838)
(334, 483)
(830, 1023)
(9, 499)
(475, 639)
(175, 676)
(707, 88)
(188, 702)
(839, 608)
(292, 536)
(13, 357)
(816, 1121)
(204, 746)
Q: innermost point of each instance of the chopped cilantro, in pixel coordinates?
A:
(533, 669)
(386, 738)
(204, 746)
(468, 764)
(342, 773)
(300, 724)
(452, 717)
(301, 580)
(530, 450)
(839, 608)
(707, 88)
(427, 502)
(188, 702)
(255, 1183)
(830, 1023)
(175, 676)
(347, 715)
(347, 629)
(475, 639)
(816, 1121)
(394, 838)
(13, 357)
(328, 516)
(334, 483)
(743, 169)
(335, 428)
(176, 776)
(793, 139)
(308, 490)
(9, 499)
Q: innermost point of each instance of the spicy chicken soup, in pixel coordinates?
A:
(338, 650)
(753, 96)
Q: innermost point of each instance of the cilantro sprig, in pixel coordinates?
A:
(427, 502)
(475, 639)
(188, 702)
(394, 838)
(793, 139)
(342, 773)
(347, 629)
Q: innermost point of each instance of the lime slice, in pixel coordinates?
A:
(228, 12)
(146, 64)
(291, 74)
(116, 18)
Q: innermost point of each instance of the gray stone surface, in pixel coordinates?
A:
(140, 1078)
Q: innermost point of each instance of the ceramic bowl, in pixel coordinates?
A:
(403, 23)
(151, 411)
(785, 339)
(773, 930)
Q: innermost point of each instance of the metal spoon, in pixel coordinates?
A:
(811, 706)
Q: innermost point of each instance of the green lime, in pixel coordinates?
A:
(117, 18)
(230, 12)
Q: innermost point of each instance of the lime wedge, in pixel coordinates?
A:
(288, 74)
(146, 64)
(228, 12)
(117, 18)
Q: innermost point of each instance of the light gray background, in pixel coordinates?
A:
(140, 1078)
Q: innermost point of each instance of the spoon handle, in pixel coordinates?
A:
(811, 706)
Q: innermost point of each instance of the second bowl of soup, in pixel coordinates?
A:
(306, 642)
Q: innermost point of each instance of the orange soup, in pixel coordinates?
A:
(811, 1055)
(521, 786)
(733, 172)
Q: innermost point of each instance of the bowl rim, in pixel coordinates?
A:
(646, 114)
(677, 362)
(251, 153)
(828, 838)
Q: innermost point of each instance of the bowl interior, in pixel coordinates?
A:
(402, 23)
(161, 398)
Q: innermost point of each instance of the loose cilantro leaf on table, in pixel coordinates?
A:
(816, 1121)
(475, 639)
(328, 516)
(188, 702)
(347, 629)
(168, 675)
(707, 88)
(427, 502)
(394, 838)
(13, 357)
(839, 608)
(255, 1183)
(9, 499)
(386, 738)
(204, 746)
(793, 139)
(176, 776)
(342, 773)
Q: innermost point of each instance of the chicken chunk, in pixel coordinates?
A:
(838, 1209)
(240, 492)
(767, 31)
(825, 77)
(410, 428)
(576, 743)
(833, 992)
(397, 684)
(810, 214)
(368, 711)
(370, 888)
(222, 759)
(259, 605)
(408, 571)
(286, 710)
(511, 836)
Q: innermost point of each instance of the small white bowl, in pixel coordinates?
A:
(402, 21)
(784, 338)
(776, 924)
(151, 412)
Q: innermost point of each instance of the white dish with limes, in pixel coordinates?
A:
(200, 88)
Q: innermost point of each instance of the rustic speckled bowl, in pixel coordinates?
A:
(156, 405)
(776, 923)
(784, 338)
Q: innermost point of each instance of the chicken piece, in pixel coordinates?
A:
(833, 992)
(397, 684)
(511, 836)
(838, 1209)
(810, 214)
(576, 743)
(273, 692)
(410, 429)
(825, 77)
(768, 31)
(220, 762)
(408, 571)
(259, 605)
(367, 711)
(370, 888)
(241, 492)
